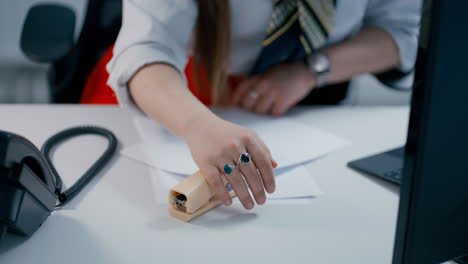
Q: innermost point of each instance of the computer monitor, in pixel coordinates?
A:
(433, 214)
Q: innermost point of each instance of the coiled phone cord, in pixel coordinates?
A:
(67, 195)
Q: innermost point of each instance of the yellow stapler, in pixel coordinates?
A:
(191, 198)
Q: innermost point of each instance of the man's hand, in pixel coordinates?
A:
(276, 91)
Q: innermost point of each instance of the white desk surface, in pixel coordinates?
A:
(116, 219)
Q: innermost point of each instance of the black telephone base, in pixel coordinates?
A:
(25, 201)
(29, 183)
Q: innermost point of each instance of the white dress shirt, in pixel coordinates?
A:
(161, 31)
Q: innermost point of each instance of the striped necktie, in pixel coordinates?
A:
(297, 29)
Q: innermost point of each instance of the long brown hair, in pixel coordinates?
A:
(213, 44)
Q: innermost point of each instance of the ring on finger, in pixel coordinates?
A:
(228, 168)
(254, 95)
(244, 158)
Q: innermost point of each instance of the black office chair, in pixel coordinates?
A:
(48, 36)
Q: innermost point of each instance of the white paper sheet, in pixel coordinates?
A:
(293, 183)
(289, 141)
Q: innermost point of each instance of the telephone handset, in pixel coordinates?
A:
(30, 187)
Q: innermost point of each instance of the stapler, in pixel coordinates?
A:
(193, 197)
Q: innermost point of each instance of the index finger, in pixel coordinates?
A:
(214, 179)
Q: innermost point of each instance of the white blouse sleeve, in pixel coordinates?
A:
(152, 31)
(401, 19)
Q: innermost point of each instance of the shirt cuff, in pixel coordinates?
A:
(397, 79)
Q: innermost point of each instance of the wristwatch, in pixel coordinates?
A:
(319, 63)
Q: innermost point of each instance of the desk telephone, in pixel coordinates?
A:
(30, 187)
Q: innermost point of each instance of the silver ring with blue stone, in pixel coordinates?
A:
(228, 169)
(244, 158)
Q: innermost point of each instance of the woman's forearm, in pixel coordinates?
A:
(160, 92)
(372, 50)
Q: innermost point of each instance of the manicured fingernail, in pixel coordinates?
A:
(249, 205)
(271, 189)
(261, 201)
(274, 163)
(228, 203)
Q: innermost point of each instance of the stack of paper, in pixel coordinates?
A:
(292, 145)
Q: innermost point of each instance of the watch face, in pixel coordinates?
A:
(321, 63)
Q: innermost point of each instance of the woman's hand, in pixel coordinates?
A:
(216, 143)
(277, 90)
